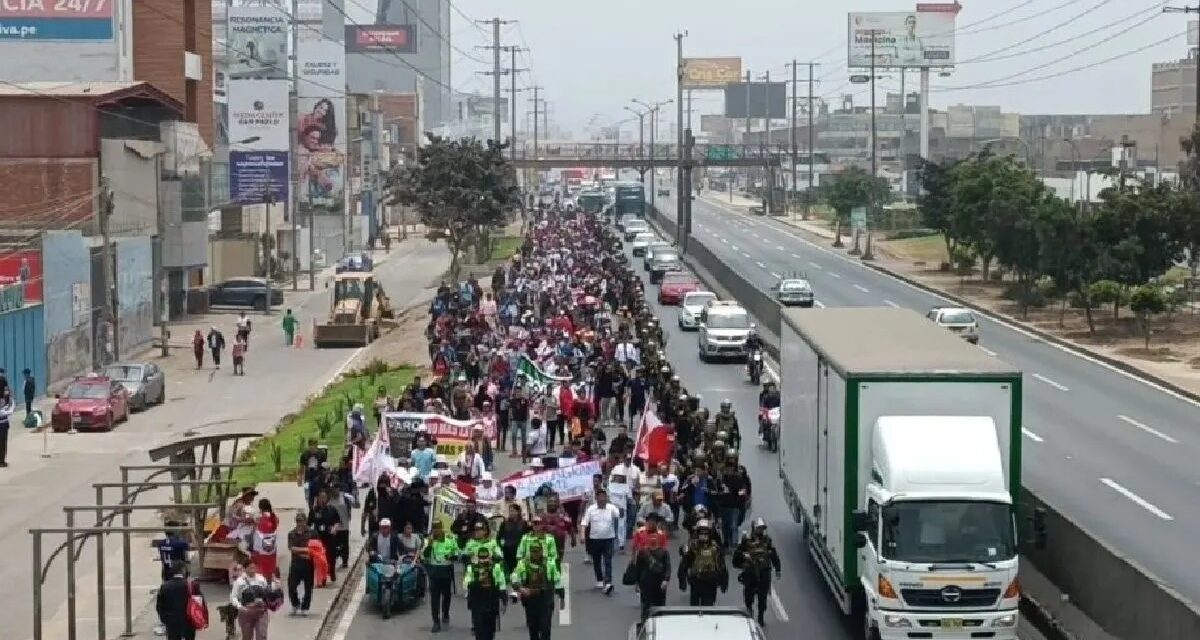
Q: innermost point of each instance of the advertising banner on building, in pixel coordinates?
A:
(903, 39)
(715, 124)
(381, 38)
(485, 107)
(321, 129)
(756, 100)
(710, 73)
(22, 268)
(81, 20)
(258, 43)
(259, 136)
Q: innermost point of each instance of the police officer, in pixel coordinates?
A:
(438, 556)
(726, 420)
(485, 584)
(703, 567)
(537, 582)
(756, 557)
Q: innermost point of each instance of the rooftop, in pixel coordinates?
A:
(109, 90)
(890, 342)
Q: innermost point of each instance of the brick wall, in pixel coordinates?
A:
(159, 40)
(48, 193)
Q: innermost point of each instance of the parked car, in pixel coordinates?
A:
(90, 402)
(243, 292)
(145, 382)
(674, 285)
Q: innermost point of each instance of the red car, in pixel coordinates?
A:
(675, 285)
(90, 402)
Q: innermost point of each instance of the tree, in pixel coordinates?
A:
(1135, 222)
(1147, 301)
(937, 199)
(991, 196)
(460, 189)
(1069, 255)
(1106, 292)
(854, 188)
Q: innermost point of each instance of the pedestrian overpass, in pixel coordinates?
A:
(643, 157)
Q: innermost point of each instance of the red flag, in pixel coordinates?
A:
(654, 439)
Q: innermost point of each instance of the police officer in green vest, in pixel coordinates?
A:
(438, 556)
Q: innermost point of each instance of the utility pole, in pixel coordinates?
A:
(791, 195)
(1196, 59)
(291, 206)
(746, 141)
(496, 72)
(680, 194)
(812, 151)
(110, 277)
(512, 77)
(535, 100)
(160, 278)
(874, 131)
(769, 197)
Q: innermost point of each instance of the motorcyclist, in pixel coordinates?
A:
(703, 567)
(385, 545)
(754, 341)
(756, 557)
(768, 400)
(753, 347)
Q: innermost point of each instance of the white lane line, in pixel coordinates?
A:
(745, 255)
(891, 304)
(812, 264)
(771, 370)
(351, 611)
(819, 304)
(834, 275)
(989, 352)
(780, 247)
(1050, 382)
(564, 614)
(1150, 430)
(775, 275)
(777, 605)
(734, 247)
(761, 265)
(1032, 436)
(725, 240)
(862, 288)
(1138, 500)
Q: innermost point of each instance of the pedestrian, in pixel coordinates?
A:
(172, 602)
(198, 348)
(216, 344)
(6, 411)
(600, 526)
(311, 460)
(239, 356)
(289, 328)
(243, 329)
(326, 522)
(29, 389)
(249, 594)
(300, 572)
(264, 550)
(650, 570)
(438, 557)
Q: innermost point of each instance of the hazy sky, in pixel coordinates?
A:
(592, 57)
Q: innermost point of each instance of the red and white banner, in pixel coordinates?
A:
(572, 482)
(654, 440)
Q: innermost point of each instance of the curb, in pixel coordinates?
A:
(1045, 336)
(337, 608)
(1043, 620)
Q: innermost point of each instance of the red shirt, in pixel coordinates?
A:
(642, 536)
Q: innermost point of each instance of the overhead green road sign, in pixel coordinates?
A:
(720, 153)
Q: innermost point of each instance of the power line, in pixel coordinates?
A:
(989, 57)
(471, 21)
(1027, 18)
(436, 33)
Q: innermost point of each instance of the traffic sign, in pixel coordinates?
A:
(719, 153)
(860, 79)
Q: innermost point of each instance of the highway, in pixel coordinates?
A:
(1113, 453)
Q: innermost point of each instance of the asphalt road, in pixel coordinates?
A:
(1113, 453)
(34, 489)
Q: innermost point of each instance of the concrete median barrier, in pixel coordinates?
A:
(1114, 592)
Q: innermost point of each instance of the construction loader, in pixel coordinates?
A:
(357, 311)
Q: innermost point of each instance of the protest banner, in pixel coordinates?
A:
(448, 503)
(572, 482)
(451, 435)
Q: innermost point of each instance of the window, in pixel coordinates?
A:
(733, 320)
(85, 392)
(957, 317)
(948, 531)
(873, 523)
(123, 372)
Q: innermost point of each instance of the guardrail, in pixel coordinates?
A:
(1113, 591)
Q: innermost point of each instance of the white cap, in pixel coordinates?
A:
(486, 477)
(537, 463)
(386, 522)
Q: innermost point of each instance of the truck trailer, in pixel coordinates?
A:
(900, 454)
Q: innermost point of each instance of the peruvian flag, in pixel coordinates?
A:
(654, 439)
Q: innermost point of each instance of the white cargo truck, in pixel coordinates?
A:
(900, 455)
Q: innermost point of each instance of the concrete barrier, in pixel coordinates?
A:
(1117, 594)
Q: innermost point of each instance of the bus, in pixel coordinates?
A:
(630, 199)
(591, 200)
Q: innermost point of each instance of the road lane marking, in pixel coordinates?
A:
(834, 275)
(1136, 499)
(734, 247)
(761, 265)
(775, 275)
(1148, 429)
(1050, 382)
(351, 611)
(780, 247)
(813, 264)
(745, 254)
(862, 288)
(1032, 436)
(564, 614)
(988, 351)
(891, 304)
(777, 605)
(726, 241)
(819, 304)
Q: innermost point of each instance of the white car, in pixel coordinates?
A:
(958, 320)
(724, 328)
(641, 241)
(689, 310)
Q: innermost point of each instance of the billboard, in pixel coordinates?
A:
(70, 20)
(258, 114)
(321, 129)
(762, 99)
(253, 175)
(24, 267)
(715, 124)
(903, 39)
(258, 43)
(709, 73)
(485, 107)
(385, 38)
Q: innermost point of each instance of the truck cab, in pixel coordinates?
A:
(937, 542)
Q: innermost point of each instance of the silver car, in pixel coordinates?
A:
(648, 257)
(145, 382)
(794, 291)
(957, 320)
(689, 310)
(633, 227)
(641, 240)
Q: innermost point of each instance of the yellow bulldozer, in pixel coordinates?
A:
(356, 313)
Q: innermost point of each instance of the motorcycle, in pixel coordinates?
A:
(768, 428)
(754, 366)
(395, 585)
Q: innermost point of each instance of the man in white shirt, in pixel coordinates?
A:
(538, 439)
(470, 464)
(627, 355)
(600, 526)
(623, 487)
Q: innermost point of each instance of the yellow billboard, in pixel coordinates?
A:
(710, 73)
